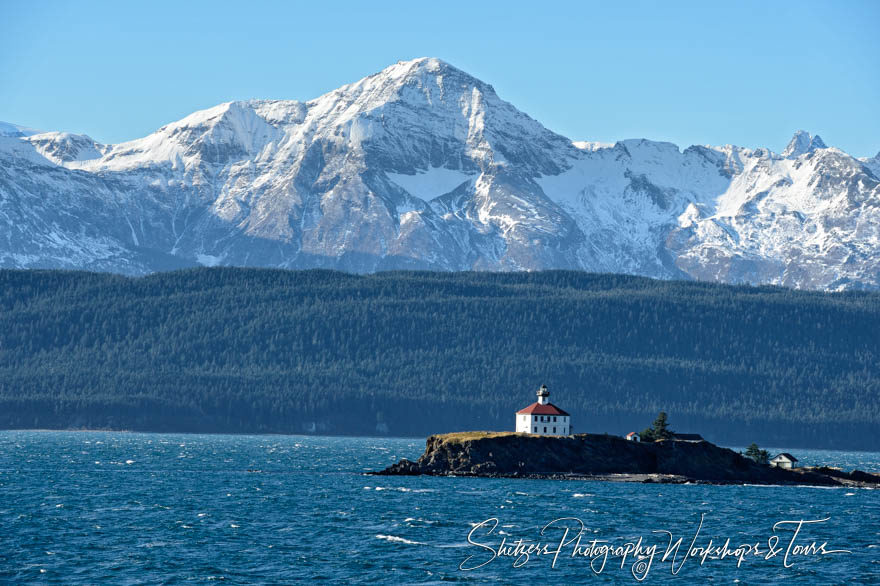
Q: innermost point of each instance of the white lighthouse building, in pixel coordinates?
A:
(543, 417)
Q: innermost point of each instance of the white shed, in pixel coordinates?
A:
(784, 460)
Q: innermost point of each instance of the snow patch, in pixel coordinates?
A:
(208, 260)
(590, 145)
(436, 181)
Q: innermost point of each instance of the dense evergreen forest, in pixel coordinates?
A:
(250, 350)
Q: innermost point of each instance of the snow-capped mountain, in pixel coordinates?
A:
(422, 166)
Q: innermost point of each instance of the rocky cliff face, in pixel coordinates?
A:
(604, 457)
(422, 166)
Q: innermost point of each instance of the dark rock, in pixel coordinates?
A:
(604, 457)
(866, 477)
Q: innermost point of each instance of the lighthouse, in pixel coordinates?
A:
(543, 417)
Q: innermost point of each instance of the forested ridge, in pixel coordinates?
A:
(414, 353)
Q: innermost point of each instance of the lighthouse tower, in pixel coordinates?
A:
(543, 395)
(543, 417)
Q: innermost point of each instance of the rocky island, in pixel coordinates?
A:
(606, 457)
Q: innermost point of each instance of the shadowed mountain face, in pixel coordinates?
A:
(422, 166)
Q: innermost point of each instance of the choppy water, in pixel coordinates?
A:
(126, 508)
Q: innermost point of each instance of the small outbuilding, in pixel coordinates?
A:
(687, 437)
(633, 437)
(784, 460)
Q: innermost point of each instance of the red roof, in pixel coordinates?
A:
(538, 409)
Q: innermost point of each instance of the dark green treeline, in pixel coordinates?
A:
(250, 350)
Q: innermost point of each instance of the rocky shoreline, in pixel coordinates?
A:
(606, 458)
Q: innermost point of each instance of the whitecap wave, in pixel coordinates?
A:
(396, 539)
(417, 520)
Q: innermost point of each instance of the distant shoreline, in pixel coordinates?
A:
(358, 436)
(233, 433)
(730, 445)
(408, 353)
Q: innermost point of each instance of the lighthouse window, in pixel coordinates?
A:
(536, 430)
(554, 419)
(545, 430)
(554, 430)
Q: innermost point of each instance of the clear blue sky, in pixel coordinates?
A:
(747, 73)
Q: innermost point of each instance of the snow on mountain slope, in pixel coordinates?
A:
(62, 148)
(7, 129)
(873, 164)
(423, 166)
(809, 222)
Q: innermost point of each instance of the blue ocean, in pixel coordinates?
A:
(126, 508)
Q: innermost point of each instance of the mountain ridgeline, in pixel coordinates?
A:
(422, 166)
(415, 353)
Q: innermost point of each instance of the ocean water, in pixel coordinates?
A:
(124, 508)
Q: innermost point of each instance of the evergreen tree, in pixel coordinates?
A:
(661, 427)
(659, 430)
(758, 455)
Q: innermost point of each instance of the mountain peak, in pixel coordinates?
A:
(428, 63)
(14, 130)
(801, 143)
(424, 72)
(422, 65)
(65, 147)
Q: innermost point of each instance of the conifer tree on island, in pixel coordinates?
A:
(659, 430)
(757, 454)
